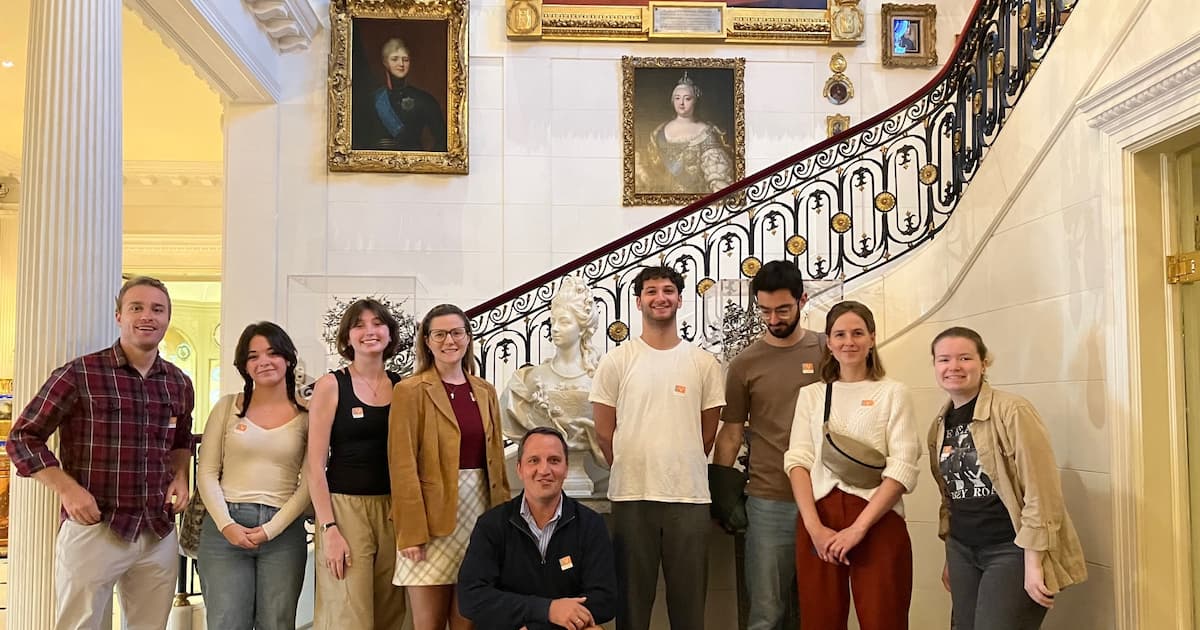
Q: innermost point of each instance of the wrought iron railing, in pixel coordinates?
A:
(840, 209)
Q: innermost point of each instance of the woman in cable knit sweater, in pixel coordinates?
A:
(252, 544)
(853, 538)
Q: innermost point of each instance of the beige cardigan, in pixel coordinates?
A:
(423, 443)
(1014, 451)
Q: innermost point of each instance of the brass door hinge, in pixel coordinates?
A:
(1183, 268)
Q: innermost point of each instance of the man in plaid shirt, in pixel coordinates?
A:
(124, 417)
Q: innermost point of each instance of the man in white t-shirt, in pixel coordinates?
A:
(657, 401)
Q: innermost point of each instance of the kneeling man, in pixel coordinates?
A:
(541, 561)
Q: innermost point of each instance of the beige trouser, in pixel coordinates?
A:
(365, 598)
(90, 559)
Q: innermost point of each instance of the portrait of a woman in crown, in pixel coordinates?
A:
(685, 154)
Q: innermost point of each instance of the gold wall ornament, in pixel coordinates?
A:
(840, 223)
(704, 285)
(839, 21)
(835, 124)
(908, 35)
(797, 245)
(524, 19)
(403, 118)
(845, 21)
(750, 266)
(673, 156)
(838, 88)
(618, 331)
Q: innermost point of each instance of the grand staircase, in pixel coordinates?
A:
(841, 209)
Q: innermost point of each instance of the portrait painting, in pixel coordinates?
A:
(398, 86)
(909, 36)
(683, 123)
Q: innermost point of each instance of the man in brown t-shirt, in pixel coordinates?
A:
(760, 392)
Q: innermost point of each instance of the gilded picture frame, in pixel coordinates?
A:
(835, 124)
(819, 22)
(908, 35)
(397, 90)
(683, 128)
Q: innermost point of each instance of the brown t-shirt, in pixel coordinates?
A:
(761, 389)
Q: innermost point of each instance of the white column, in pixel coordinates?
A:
(69, 266)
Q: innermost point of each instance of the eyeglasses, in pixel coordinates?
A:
(439, 336)
(783, 312)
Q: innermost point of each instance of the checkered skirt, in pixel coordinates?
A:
(444, 554)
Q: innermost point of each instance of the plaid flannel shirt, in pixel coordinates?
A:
(117, 430)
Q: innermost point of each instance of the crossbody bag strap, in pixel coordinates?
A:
(828, 401)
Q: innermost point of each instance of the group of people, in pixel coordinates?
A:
(414, 517)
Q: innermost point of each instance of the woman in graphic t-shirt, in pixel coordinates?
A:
(1010, 545)
(446, 458)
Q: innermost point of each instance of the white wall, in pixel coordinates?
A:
(545, 155)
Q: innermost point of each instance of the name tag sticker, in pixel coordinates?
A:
(681, 389)
(565, 563)
(807, 368)
(868, 403)
(240, 428)
(172, 422)
(356, 412)
(946, 451)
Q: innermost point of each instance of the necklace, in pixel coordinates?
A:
(374, 388)
(452, 389)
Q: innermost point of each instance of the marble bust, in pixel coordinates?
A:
(555, 393)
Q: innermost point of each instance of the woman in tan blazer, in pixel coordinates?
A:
(446, 462)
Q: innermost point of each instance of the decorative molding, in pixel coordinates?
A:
(1169, 78)
(207, 38)
(175, 174)
(172, 244)
(290, 23)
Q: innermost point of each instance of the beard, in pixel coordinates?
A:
(783, 331)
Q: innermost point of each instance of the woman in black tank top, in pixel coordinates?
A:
(348, 477)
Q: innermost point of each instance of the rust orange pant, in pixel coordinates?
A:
(879, 573)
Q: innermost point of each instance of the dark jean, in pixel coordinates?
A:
(987, 588)
(252, 589)
(771, 564)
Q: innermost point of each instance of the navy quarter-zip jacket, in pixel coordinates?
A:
(504, 582)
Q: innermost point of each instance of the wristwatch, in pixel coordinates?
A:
(325, 526)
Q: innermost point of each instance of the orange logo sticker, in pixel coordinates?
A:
(808, 368)
(240, 428)
(868, 403)
(565, 563)
(680, 389)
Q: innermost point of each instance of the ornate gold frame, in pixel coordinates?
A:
(832, 120)
(341, 156)
(629, 194)
(840, 22)
(926, 14)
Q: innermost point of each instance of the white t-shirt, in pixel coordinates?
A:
(876, 413)
(658, 447)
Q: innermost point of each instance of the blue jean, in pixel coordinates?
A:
(247, 589)
(771, 564)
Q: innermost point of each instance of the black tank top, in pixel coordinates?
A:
(358, 441)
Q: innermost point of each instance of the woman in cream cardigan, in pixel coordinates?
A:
(1010, 545)
(851, 535)
(446, 460)
(252, 543)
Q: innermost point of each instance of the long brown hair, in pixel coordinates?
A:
(423, 356)
(831, 370)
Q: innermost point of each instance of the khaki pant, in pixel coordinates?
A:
(90, 559)
(365, 598)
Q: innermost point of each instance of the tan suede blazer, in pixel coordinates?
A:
(423, 442)
(1014, 451)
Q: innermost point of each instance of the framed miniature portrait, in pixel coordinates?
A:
(398, 86)
(683, 128)
(909, 35)
(836, 124)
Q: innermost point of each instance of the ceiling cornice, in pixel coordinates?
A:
(291, 24)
